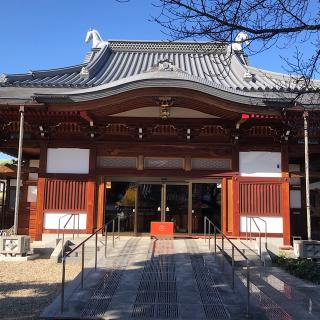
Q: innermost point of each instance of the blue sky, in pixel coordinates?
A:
(42, 34)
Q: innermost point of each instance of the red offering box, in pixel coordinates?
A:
(162, 229)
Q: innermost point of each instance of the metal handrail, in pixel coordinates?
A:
(104, 231)
(259, 231)
(71, 214)
(216, 230)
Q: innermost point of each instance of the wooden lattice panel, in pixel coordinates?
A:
(65, 195)
(260, 198)
(262, 131)
(117, 129)
(212, 130)
(164, 130)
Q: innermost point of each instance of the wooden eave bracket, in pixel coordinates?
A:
(86, 116)
(244, 117)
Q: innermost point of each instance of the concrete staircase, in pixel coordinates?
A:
(70, 244)
(182, 279)
(279, 294)
(148, 279)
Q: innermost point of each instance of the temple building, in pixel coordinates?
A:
(161, 131)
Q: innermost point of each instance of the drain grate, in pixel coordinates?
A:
(143, 311)
(167, 297)
(158, 276)
(101, 296)
(209, 294)
(167, 311)
(148, 286)
(157, 291)
(272, 310)
(215, 311)
(146, 297)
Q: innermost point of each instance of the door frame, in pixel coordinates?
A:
(162, 181)
(163, 204)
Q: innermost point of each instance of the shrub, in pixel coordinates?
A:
(302, 268)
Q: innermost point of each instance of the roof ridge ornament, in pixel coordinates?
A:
(97, 42)
(84, 73)
(165, 64)
(247, 76)
(3, 78)
(241, 38)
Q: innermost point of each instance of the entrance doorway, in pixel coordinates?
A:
(184, 203)
(163, 202)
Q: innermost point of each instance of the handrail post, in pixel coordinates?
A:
(266, 234)
(232, 267)
(105, 240)
(247, 228)
(96, 252)
(248, 287)
(205, 229)
(63, 283)
(74, 225)
(82, 265)
(260, 245)
(118, 227)
(250, 221)
(222, 236)
(59, 228)
(113, 233)
(215, 240)
(209, 231)
(62, 245)
(78, 224)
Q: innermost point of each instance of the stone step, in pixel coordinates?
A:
(160, 279)
(284, 297)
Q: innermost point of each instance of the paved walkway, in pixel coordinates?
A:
(174, 279)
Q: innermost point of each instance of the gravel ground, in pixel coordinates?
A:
(26, 288)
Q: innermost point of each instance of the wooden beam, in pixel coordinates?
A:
(236, 215)
(39, 214)
(284, 160)
(91, 185)
(43, 157)
(101, 207)
(286, 213)
(86, 116)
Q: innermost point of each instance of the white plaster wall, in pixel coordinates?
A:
(68, 160)
(32, 194)
(34, 163)
(51, 220)
(295, 199)
(33, 176)
(13, 183)
(260, 164)
(292, 168)
(274, 224)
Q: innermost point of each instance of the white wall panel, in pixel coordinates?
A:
(34, 163)
(68, 160)
(295, 199)
(13, 183)
(274, 224)
(51, 220)
(260, 164)
(32, 194)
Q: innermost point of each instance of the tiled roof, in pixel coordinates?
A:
(123, 59)
(210, 64)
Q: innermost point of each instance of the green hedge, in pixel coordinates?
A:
(302, 268)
